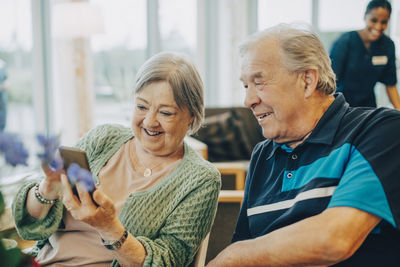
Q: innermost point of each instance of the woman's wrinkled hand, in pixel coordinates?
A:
(101, 216)
(51, 187)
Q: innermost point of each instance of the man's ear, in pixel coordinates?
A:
(311, 81)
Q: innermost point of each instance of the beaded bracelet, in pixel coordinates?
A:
(41, 199)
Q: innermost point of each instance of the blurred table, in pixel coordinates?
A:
(237, 168)
(231, 196)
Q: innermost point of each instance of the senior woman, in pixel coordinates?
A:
(156, 196)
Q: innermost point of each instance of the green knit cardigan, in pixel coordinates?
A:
(170, 219)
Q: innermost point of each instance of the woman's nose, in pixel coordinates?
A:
(150, 120)
(380, 26)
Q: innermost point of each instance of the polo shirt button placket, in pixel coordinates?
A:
(294, 157)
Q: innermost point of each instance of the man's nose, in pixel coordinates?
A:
(251, 99)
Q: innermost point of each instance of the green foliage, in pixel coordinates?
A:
(19, 72)
(2, 204)
(9, 257)
(19, 89)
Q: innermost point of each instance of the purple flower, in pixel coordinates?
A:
(84, 177)
(73, 173)
(13, 149)
(57, 163)
(48, 155)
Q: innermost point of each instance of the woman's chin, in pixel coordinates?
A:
(374, 37)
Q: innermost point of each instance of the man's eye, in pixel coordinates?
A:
(140, 107)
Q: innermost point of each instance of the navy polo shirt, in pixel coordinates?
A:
(358, 69)
(351, 159)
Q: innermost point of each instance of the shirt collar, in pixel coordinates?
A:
(325, 130)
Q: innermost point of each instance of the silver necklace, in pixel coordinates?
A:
(148, 171)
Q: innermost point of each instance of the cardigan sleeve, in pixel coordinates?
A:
(183, 231)
(30, 228)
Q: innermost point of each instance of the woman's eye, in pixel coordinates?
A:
(166, 113)
(140, 107)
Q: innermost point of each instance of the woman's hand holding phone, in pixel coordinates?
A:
(96, 210)
(77, 170)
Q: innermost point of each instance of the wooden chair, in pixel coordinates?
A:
(200, 258)
(229, 203)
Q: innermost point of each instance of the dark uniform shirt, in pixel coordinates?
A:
(358, 69)
(351, 159)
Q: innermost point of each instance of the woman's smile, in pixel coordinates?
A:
(152, 133)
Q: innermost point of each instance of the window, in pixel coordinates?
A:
(331, 27)
(128, 41)
(117, 55)
(178, 26)
(271, 12)
(16, 53)
(330, 14)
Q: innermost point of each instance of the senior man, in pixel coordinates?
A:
(324, 187)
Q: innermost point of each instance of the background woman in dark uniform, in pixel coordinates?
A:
(362, 58)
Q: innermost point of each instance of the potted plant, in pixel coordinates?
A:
(12, 154)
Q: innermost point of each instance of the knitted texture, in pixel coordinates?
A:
(170, 219)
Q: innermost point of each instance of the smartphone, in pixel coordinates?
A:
(74, 155)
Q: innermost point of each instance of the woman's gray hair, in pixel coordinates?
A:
(181, 74)
(300, 50)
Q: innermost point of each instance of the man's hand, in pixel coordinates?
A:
(324, 239)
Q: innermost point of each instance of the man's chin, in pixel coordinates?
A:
(269, 135)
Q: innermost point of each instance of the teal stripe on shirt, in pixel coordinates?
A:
(330, 166)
